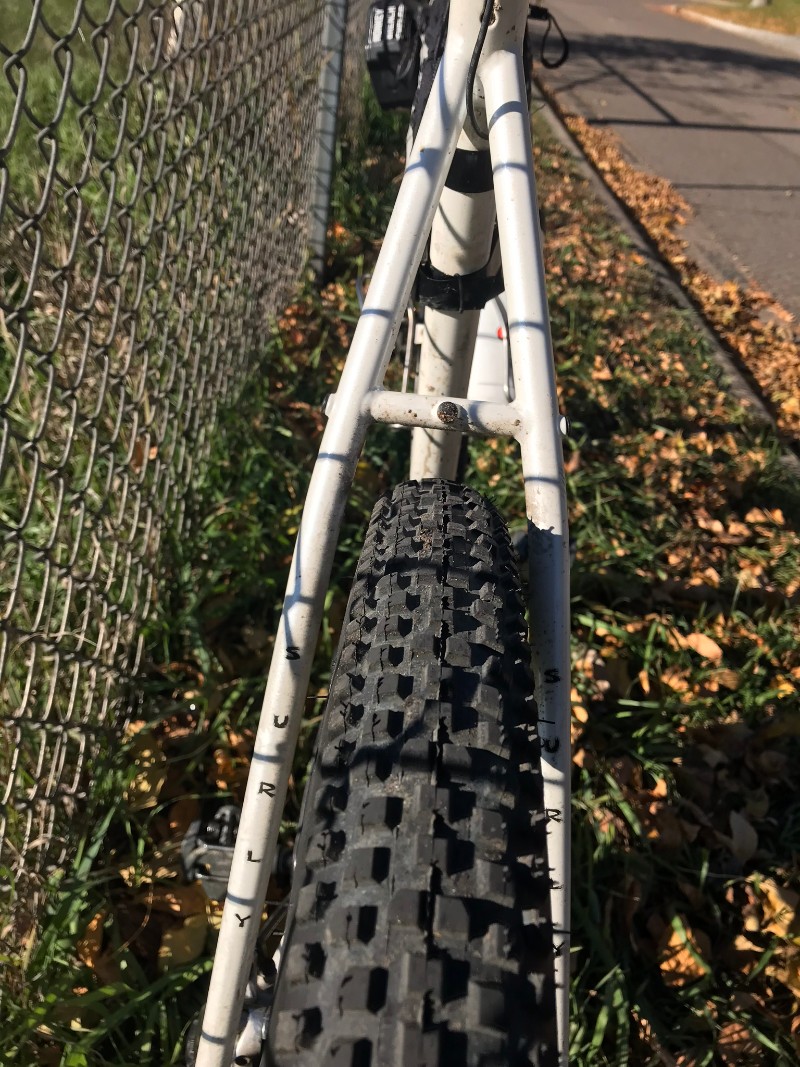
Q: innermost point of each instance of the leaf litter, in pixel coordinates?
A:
(686, 671)
(686, 677)
(747, 319)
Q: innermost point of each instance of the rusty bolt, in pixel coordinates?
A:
(447, 412)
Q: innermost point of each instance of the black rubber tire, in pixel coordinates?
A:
(419, 929)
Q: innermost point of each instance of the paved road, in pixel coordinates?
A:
(718, 115)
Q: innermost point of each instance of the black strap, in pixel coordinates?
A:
(457, 292)
(470, 172)
(434, 32)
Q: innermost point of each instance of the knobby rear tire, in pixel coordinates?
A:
(419, 929)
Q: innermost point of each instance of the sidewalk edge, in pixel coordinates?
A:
(740, 383)
(787, 43)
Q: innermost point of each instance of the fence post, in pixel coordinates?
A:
(330, 78)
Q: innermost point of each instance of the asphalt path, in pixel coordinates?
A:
(715, 113)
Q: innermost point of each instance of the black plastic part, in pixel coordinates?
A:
(470, 172)
(392, 52)
(419, 928)
(456, 292)
(434, 32)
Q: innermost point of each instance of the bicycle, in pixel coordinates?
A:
(454, 950)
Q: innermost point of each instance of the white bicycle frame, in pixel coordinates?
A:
(532, 418)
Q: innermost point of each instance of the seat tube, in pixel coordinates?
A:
(460, 243)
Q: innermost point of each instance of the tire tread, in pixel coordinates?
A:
(419, 925)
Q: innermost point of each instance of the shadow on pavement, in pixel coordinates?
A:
(713, 66)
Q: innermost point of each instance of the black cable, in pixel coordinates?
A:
(412, 45)
(486, 18)
(551, 64)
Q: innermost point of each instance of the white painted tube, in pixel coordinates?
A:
(332, 477)
(461, 240)
(542, 462)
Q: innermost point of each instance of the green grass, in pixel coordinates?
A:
(68, 402)
(674, 494)
(779, 16)
(111, 369)
(92, 57)
(208, 645)
(686, 524)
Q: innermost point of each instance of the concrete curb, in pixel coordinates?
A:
(782, 42)
(740, 384)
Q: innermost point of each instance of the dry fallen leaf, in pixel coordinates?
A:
(744, 839)
(757, 515)
(772, 765)
(704, 646)
(682, 954)
(182, 814)
(176, 899)
(737, 312)
(692, 893)
(784, 688)
(664, 828)
(617, 675)
(787, 972)
(183, 944)
(737, 1047)
(649, 1036)
(579, 710)
(727, 678)
(676, 679)
(90, 945)
(150, 771)
(242, 743)
(711, 756)
(744, 945)
(751, 574)
(794, 1029)
(779, 905)
(90, 950)
(581, 758)
(757, 804)
(783, 726)
(228, 774)
(160, 870)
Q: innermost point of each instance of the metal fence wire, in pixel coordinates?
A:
(154, 200)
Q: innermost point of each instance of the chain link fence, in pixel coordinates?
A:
(154, 203)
